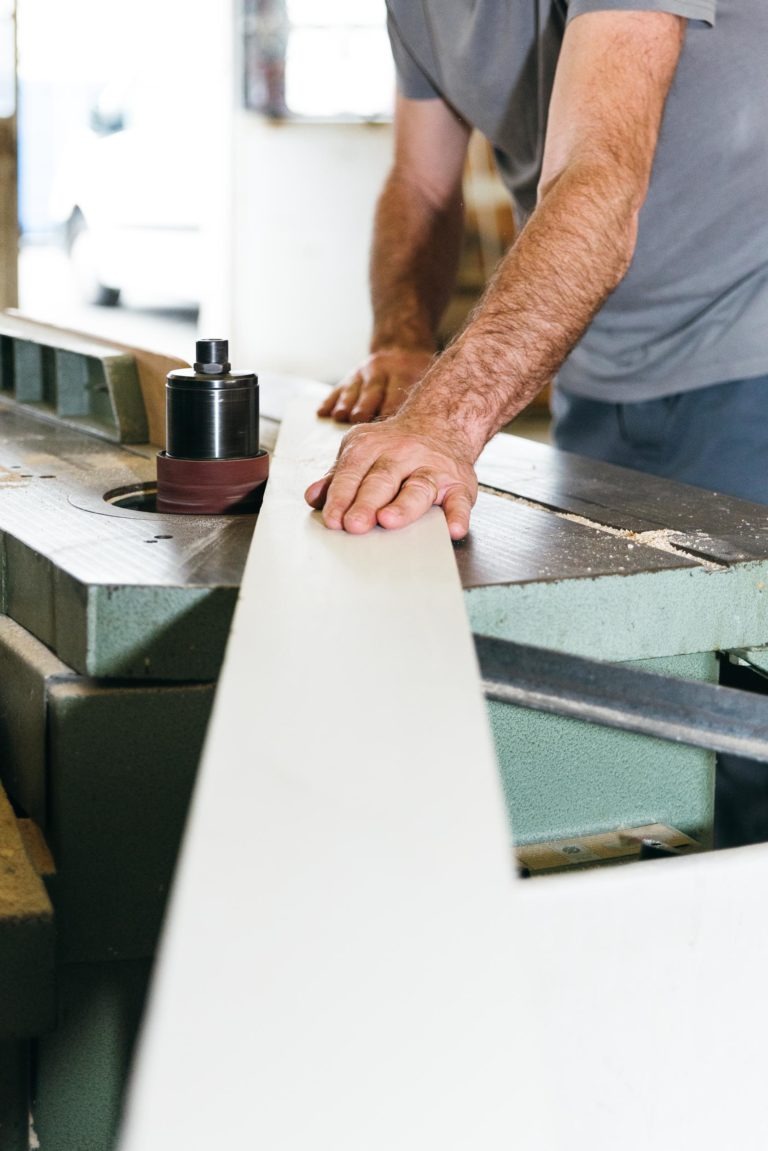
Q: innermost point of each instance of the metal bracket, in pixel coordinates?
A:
(704, 715)
(81, 382)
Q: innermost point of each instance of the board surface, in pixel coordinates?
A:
(349, 961)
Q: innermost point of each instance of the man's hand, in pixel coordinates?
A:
(391, 474)
(378, 387)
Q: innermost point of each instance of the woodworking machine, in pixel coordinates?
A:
(114, 622)
(212, 462)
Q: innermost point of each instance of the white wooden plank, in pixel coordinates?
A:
(336, 908)
(349, 963)
(644, 1014)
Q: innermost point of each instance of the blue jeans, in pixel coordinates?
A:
(716, 438)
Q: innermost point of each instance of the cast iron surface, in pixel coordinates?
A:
(113, 592)
(51, 475)
(702, 523)
(698, 714)
(52, 483)
(107, 587)
(511, 542)
(53, 480)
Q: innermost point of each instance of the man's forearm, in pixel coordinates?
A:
(570, 256)
(414, 261)
(613, 75)
(614, 72)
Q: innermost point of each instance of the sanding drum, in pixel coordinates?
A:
(212, 463)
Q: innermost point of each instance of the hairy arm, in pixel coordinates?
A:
(605, 114)
(612, 80)
(414, 259)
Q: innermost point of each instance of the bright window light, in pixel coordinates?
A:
(329, 60)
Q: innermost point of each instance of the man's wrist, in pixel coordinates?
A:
(456, 402)
(402, 343)
(424, 414)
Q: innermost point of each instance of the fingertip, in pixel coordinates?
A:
(457, 508)
(314, 494)
(357, 523)
(332, 519)
(458, 530)
(390, 516)
(329, 403)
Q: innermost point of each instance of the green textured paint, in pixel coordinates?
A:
(86, 385)
(83, 1065)
(3, 576)
(29, 593)
(126, 398)
(563, 777)
(110, 631)
(26, 669)
(122, 763)
(81, 388)
(149, 632)
(630, 617)
(101, 393)
(14, 1096)
(6, 364)
(28, 372)
(27, 975)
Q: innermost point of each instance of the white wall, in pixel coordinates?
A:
(303, 201)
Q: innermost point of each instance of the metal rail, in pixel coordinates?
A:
(704, 715)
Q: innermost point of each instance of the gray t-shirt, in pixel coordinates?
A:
(693, 308)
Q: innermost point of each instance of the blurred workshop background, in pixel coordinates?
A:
(190, 168)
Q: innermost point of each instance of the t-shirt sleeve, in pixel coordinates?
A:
(412, 82)
(703, 10)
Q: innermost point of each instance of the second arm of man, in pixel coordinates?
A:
(417, 237)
